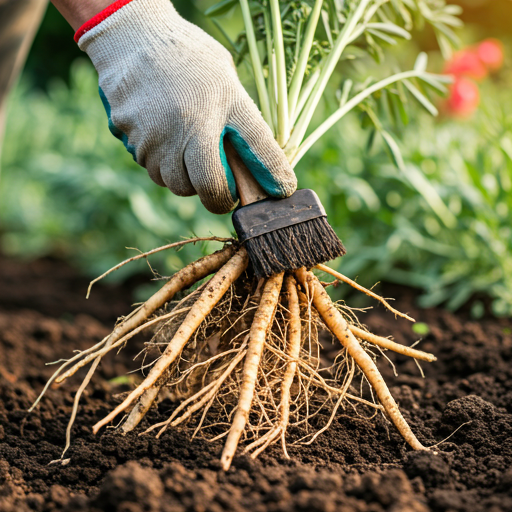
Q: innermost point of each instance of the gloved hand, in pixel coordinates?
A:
(172, 93)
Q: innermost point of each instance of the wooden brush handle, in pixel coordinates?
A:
(249, 190)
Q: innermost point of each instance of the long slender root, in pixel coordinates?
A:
(292, 351)
(112, 345)
(260, 325)
(338, 325)
(174, 245)
(217, 287)
(391, 345)
(64, 365)
(183, 279)
(76, 402)
(345, 279)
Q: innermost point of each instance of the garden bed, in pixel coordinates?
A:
(358, 465)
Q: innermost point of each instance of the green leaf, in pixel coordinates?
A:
(455, 10)
(371, 140)
(433, 82)
(226, 37)
(444, 79)
(398, 107)
(444, 45)
(390, 28)
(421, 62)
(220, 8)
(448, 33)
(374, 49)
(447, 19)
(429, 193)
(394, 149)
(422, 99)
(366, 193)
(382, 36)
(401, 92)
(386, 106)
(406, 17)
(327, 27)
(420, 328)
(347, 87)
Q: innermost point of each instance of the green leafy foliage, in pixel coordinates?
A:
(390, 22)
(294, 47)
(439, 220)
(420, 328)
(69, 187)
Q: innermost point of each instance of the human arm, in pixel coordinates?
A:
(77, 12)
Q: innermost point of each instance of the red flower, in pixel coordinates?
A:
(464, 97)
(466, 63)
(490, 53)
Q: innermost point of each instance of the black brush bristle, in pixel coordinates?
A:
(301, 245)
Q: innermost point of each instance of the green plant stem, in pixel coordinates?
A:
(298, 45)
(225, 35)
(302, 62)
(305, 93)
(271, 81)
(283, 125)
(347, 107)
(429, 193)
(325, 74)
(256, 63)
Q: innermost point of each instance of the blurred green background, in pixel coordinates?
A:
(442, 223)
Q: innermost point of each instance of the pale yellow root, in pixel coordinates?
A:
(257, 335)
(141, 408)
(391, 345)
(174, 245)
(213, 292)
(144, 403)
(292, 351)
(345, 279)
(183, 279)
(179, 281)
(121, 341)
(210, 393)
(339, 327)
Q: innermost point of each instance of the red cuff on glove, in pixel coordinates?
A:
(101, 16)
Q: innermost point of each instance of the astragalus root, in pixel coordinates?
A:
(243, 359)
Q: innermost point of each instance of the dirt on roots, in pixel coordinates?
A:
(358, 465)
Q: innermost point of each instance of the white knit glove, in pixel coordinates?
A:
(171, 93)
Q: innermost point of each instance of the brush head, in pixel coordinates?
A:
(287, 234)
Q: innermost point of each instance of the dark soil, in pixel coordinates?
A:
(358, 465)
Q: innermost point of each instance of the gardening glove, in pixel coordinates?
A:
(172, 94)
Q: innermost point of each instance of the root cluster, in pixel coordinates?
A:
(243, 358)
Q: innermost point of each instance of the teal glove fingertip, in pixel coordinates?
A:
(262, 174)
